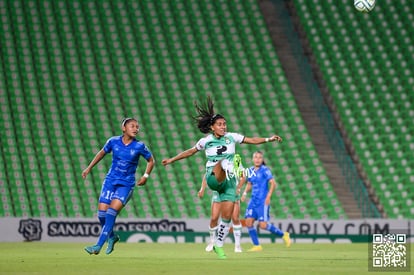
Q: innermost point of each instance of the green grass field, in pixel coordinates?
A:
(145, 258)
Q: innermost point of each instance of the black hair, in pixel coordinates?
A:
(205, 115)
(126, 120)
(260, 152)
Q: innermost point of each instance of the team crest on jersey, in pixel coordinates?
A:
(132, 152)
(227, 140)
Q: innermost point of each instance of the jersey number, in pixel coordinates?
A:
(108, 195)
(221, 150)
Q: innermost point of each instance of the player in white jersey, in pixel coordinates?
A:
(222, 163)
(215, 215)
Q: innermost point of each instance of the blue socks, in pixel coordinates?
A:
(253, 235)
(109, 225)
(270, 227)
(101, 218)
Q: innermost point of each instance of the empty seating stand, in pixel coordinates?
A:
(367, 63)
(73, 69)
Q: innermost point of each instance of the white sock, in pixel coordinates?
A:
(212, 233)
(222, 232)
(237, 231)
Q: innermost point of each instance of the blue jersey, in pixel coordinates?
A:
(124, 159)
(259, 179)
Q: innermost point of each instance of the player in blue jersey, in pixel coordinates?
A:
(119, 182)
(259, 178)
(215, 215)
(223, 164)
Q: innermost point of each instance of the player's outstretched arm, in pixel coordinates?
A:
(95, 160)
(182, 155)
(260, 140)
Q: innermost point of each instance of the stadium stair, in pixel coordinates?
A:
(275, 14)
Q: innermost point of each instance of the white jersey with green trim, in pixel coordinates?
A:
(219, 148)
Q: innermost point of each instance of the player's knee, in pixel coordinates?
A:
(249, 223)
(263, 225)
(235, 218)
(214, 220)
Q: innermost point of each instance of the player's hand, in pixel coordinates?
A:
(275, 138)
(200, 193)
(243, 197)
(85, 173)
(165, 162)
(142, 181)
(267, 201)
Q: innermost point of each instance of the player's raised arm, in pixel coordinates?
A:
(260, 140)
(187, 153)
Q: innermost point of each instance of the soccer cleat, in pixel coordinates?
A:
(93, 250)
(237, 165)
(286, 239)
(220, 252)
(210, 247)
(256, 248)
(238, 249)
(111, 244)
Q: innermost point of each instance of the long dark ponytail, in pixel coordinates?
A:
(205, 115)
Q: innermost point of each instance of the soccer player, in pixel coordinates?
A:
(215, 215)
(259, 178)
(223, 164)
(119, 182)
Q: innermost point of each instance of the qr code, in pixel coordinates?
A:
(389, 251)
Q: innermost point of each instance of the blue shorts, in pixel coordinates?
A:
(112, 190)
(258, 212)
